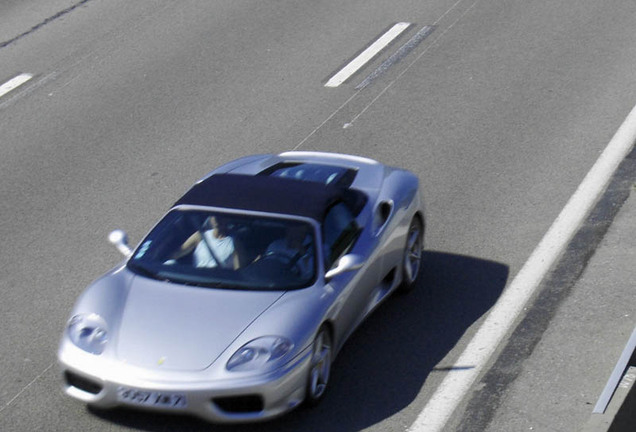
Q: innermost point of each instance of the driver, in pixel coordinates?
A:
(213, 246)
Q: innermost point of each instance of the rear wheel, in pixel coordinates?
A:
(320, 369)
(412, 258)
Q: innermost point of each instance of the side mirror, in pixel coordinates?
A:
(120, 239)
(345, 264)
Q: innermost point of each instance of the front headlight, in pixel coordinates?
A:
(257, 353)
(88, 332)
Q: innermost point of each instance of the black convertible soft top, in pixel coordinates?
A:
(272, 195)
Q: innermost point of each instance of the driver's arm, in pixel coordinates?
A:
(188, 245)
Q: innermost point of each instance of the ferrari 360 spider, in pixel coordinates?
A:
(235, 304)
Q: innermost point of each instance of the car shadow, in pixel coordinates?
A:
(384, 365)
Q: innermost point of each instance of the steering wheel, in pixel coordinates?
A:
(290, 264)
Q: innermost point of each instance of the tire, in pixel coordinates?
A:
(320, 369)
(412, 257)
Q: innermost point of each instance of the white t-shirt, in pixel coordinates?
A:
(223, 249)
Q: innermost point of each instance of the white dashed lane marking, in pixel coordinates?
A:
(365, 56)
(399, 55)
(14, 83)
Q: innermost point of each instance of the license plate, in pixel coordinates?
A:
(150, 398)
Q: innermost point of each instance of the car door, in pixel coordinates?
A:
(341, 235)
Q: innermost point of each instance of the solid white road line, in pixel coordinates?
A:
(367, 54)
(14, 83)
(470, 364)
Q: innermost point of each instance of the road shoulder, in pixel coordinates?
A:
(553, 369)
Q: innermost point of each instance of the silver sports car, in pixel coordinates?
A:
(235, 304)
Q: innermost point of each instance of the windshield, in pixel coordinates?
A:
(225, 250)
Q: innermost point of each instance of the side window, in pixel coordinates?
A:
(339, 233)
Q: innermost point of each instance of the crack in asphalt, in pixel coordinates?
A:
(27, 386)
(43, 23)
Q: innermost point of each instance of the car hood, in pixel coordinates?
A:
(177, 327)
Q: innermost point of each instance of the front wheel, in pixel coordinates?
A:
(320, 369)
(412, 258)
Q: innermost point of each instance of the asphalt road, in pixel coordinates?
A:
(501, 111)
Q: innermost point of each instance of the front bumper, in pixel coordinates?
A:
(244, 399)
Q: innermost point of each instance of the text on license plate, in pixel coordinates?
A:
(148, 398)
